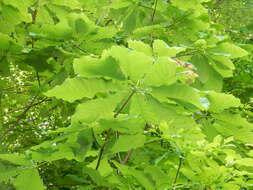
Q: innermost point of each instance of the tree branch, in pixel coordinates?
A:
(154, 11)
(129, 153)
(178, 169)
(110, 130)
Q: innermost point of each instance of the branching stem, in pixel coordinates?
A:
(101, 152)
(178, 169)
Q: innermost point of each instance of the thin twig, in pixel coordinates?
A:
(129, 153)
(145, 7)
(110, 130)
(21, 116)
(67, 185)
(124, 104)
(187, 54)
(178, 169)
(154, 141)
(25, 107)
(154, 11)
(83, 50)
(38, 77)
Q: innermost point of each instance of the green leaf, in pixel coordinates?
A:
(96, 109)
(77, 88)
(160, 178)
(4, 42)
(227, 49)
(150, 109)
(224, 60)
(73, 4)
(221, 101)
(191, 5)
(123, 145)
(245, 162)
(4, 67)
(163, 72)
(29, 179)
(117, 4)
(162, 49)
(134, 64)
(93, 67)
(17, 159)
(60, 31)
(140, 46)
(208, 77)
(95, 176)
(81, 24)
(180, 93)
(125, 124)
(138, 175)
(7, 172)
(239, 127)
